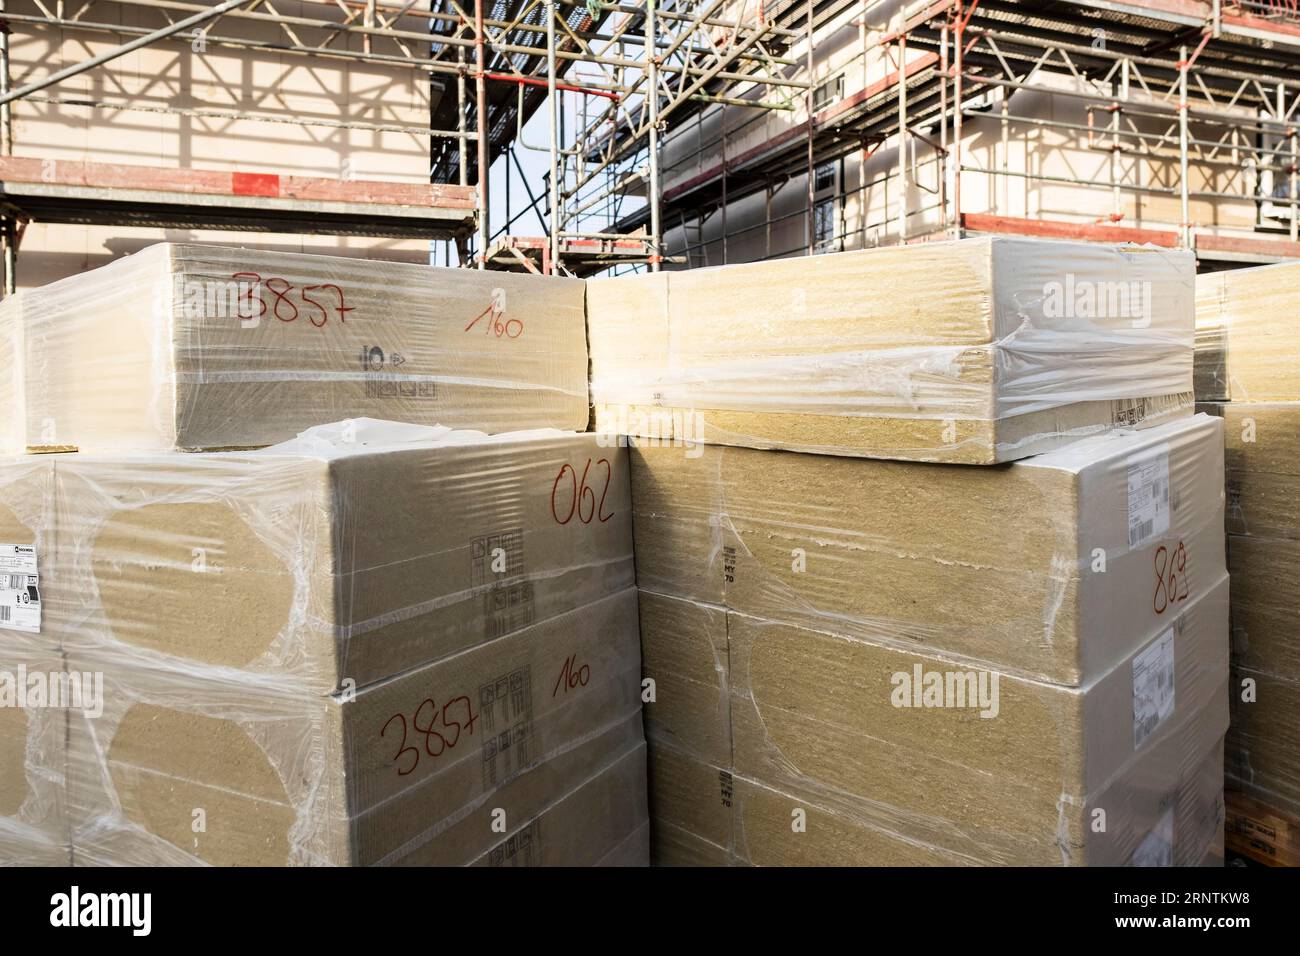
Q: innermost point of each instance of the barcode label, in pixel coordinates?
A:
(1148, 496)
(20, 594)
(1128, 411)
(1153, 687)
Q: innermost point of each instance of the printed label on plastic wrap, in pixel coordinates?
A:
(385, 376)
(506, 705)
(20, 593)
(495, 560)
(1148, 497)
(727, 786)
(1158, 847)
(508, 608)
(1128, 411)
(520, 849)
(1153, 687)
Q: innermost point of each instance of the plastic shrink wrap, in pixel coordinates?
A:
(33, 688)
(12, 419)
(204, 347)
(33, 753)
(977, 351)
(1246, 339)
(1246, 348)
(1047, 568)
(1263, 521)
(932, 664)
(374, 644)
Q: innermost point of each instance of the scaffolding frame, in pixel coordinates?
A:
(491, 67)
(1221, 79)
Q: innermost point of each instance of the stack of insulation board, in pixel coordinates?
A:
(203, 347)
(980, 351)
(374, 643)
(893, 662)
(1247, 346)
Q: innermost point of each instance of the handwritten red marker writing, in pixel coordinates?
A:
(1171, 577)
(580, 497)
(440, 729)
(497, 324)
(318, 303)
(572, 676)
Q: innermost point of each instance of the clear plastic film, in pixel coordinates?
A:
(33, 755)
(1246, 341)
(33, 718)
(340, 557)
(12, 401)
(1262, 452)
(1056, 567)
(358, 640)
(797, 612)
(412, 770)
(206, 347)
(976, 351)
(848, 733)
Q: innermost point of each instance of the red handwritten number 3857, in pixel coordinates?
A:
(318, 302)
(582, 497)
(436, 741)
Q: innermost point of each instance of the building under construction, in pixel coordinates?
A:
(925, 552)
(755, 130)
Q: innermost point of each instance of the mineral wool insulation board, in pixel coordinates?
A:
(207, 347)
(976, 351)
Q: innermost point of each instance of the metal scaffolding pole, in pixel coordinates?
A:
(811, 102)
(652, 187)
(1185, 226)
(553, 105)
(481, 119)
(902, 139)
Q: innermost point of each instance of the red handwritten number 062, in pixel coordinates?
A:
(582, 497)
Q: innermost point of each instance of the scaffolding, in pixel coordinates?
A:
(629, 67)
(1198, 84)
(1209, 89)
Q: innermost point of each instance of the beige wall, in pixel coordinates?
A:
(175, 75)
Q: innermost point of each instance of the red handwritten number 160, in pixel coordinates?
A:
(572, 677)
(497, 323)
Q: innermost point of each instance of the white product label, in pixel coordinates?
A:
(1158, 847)
(1148, 497)
(1128, 412)
(20, 596)
(1153, 687)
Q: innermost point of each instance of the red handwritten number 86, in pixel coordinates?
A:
(1171, 577)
